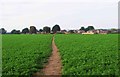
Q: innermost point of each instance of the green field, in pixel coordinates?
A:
(80, 54)
(88, 54)
(24, 54)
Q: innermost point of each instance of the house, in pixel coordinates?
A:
(103, 31)
(80, 31)
(75, 31)
(115, 31)
(64, 31)
(90, 32)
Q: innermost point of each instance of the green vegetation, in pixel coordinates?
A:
(24, 54)
(88, 54)
(80, 54)
(0, 55)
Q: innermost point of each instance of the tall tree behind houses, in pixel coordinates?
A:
(46, 29)
(2, 31)
(25, 30)
(33, 30)
(82, 28)
(15, 31)
(56, 28)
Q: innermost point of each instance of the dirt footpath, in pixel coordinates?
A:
(54, 62)
(53, 68)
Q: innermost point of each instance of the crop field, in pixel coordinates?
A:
(80, 54)
(24, 54)
(88, 54)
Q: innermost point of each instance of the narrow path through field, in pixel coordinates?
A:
(54, 65)
(54, 62)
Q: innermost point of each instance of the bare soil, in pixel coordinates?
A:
(53, 68)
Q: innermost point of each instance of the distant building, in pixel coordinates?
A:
(103, 31)
(90, 32)
(64, 31)
(99, 31)
(81, 31)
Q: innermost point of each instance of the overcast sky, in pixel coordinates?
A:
(69, 14)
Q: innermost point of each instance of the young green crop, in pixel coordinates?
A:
(88, 54)
(24, 54)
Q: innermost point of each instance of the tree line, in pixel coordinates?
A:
(32, 30)
(46, 29)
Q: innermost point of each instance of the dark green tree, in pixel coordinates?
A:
(40, 30)
(56, 28)
(2, 31)
(46, 29)
(25, 30)
(15, 31)
(82, 28)
(33, 30)
(90, 28)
